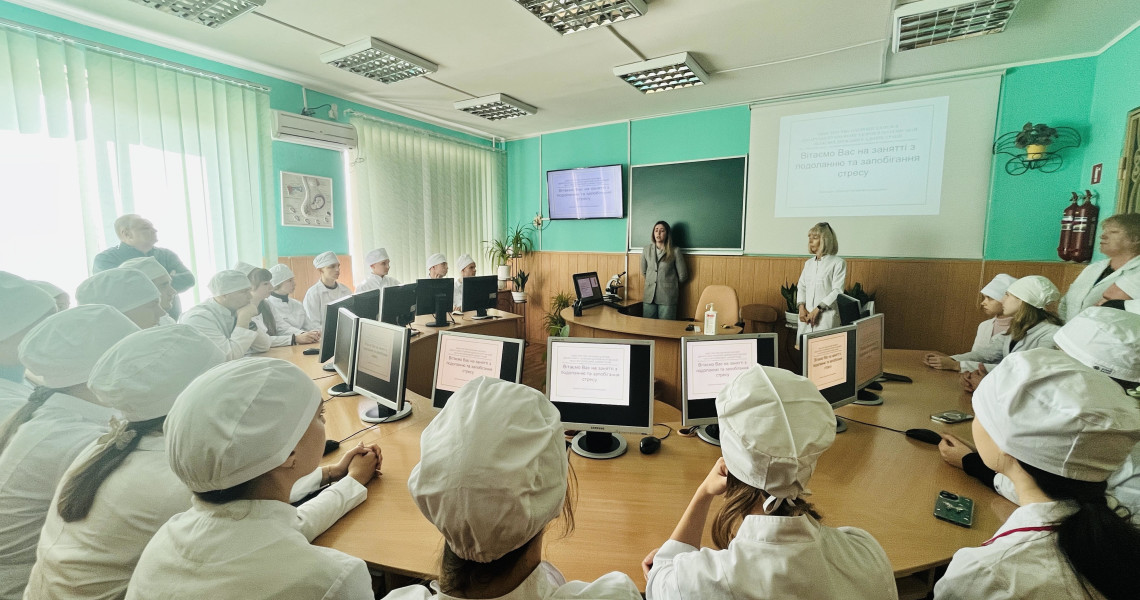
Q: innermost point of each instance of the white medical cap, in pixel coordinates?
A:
(62, 349)
(1129, 283)
(237, 421)
(1132, 306)
(325, 259)
(997, 286)
(149, 265)
(279, 274)
(375, 256)
(52, 289)
(492, 470)
(142, 374)
(464, 260)
(228, 282)
(124, 289)
(774, 424)
(1050, 411)
(436, 259)
(1106, 339)
(244, 268)
(24, 304)
(1034, 290)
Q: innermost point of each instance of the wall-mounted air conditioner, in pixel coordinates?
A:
(288, 127)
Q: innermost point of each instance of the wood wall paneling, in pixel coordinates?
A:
(305, 274)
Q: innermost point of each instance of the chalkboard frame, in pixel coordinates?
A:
(631, 235)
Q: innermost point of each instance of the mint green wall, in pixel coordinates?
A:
(592, 146)
(1117, 93)
(523, 182)
(302, 241)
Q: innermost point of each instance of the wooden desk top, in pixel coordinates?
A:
(462, 321)
(609, 319)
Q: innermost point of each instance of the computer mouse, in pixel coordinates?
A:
(311, 352)
(924, 435)
(331, 446)
(649, 445)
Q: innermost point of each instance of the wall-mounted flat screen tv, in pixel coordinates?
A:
(586, 193)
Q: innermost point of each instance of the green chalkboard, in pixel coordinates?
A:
(703, 201)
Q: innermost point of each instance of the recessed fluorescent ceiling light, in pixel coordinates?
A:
(496, 107)
(376, 60)
(932, 22)
(666, 73)
(211, 13)
(568, 16)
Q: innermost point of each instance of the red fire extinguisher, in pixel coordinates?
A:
(1067, 228)
(1084, 229)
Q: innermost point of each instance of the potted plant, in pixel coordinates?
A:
(520, 279)
(792, 315)
(553, 321)
(515, 244)
(1035, 139)
(866, 299)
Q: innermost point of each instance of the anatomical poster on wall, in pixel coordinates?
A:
(306, 200)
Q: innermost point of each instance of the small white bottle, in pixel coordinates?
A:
(710, 319)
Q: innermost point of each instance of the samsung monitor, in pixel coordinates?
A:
(344, 352)
(849, 309)
(328, 331)
(479, 294)
(461, 357)
(398, 305)
(829, 362)
(708, 363)
(588, 289)
(434, 297)
(869, 334)
(381, 370)
(586, 193)
(366, 305)
(601, 387)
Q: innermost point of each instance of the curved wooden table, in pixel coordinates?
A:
(606, 322)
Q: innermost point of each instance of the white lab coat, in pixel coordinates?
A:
(217, 322)
(274, 340)
(244, 550)
(30, 469)
(93, 558)
(1016, 564)
(458, 299)
(776, 557)
(1085, 292)
(12, 396)
(820, 284)
(166, 320)
(376, 282)
(290, 316)
(1038, 336)
(982, 339)
(318, 298)
(545, 582)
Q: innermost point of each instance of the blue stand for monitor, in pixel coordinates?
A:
(598, 444)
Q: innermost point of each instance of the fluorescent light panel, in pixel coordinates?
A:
(666, 73)
(933, 22)
(496, 107)
(211, 13)
(376, 60)
(569, 16)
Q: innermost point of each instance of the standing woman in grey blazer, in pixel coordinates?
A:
(663, 269)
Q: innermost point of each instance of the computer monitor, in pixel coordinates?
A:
(366, 305)
(479, 294)
(328, 332)
(398, 305)
(461, 357)
(869, 334)
(381, 369)
(344, 352)
(434, 297)
(829, 362)
(849, 309)
(601, 387)
(708, 363)
(588, 289)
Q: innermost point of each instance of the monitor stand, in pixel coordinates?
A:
(382, 414)
(342, 389)
(329, 367)
(481, 314)
(875, 385)
(598, 444)
(440, 311)
(709, 433)
(867, 398)
(840, 425)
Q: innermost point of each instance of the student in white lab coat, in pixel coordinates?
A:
(988, 330)
(326, 289)
(240, 436)
(437, 266)
(1057, 430)
(773, 427)
(25, 305)
(378, 265)
(1120, 242)
(466, 266)
(128, 290)
(225, 318)
(288, 313)
(161, 279)
(491, 488)
(820, 283)
(261, 288)
(62, 299)
(39, 441)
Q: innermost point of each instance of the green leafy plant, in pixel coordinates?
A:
(1035, 135)
(515, 244)
(857, 292)
(552, 320)
(788, 291)
(520, 280)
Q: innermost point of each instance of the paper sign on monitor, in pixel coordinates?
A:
(462, 359)
(827, 356)
(374, 352)
(590, 374)
(711, 365)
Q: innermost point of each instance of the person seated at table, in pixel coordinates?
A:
(437, 266)
(988, 330)
(161, 279)
(492, 475)
(239, 437)
(288, 313)
(127, 290)
(59, 418)
(325, 290)
(773, 427)
(265, 321)
(243, 267)
(378, 265)
(1057, 430)
(1120, 244)
(62, 299)
(466, 266)
(25, 306)
(1124, 289)
(225, 317)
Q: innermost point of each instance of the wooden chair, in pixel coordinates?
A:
(760, 318)
(724, 301)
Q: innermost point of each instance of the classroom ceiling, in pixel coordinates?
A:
(753, 50)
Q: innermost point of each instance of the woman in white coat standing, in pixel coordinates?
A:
(1057, 430)
(1120, 242)
(773, 427)
(820, 283)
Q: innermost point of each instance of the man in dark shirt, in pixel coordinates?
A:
(138, 237)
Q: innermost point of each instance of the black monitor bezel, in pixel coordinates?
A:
(619, 419)
(507, 371)
(701, 405)
(363, 301)
(328, 329)
(395, 294)
(426, 305)
(471, 299)
(347, 373)
(578, 290)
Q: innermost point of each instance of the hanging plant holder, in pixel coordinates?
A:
(1036, 148)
